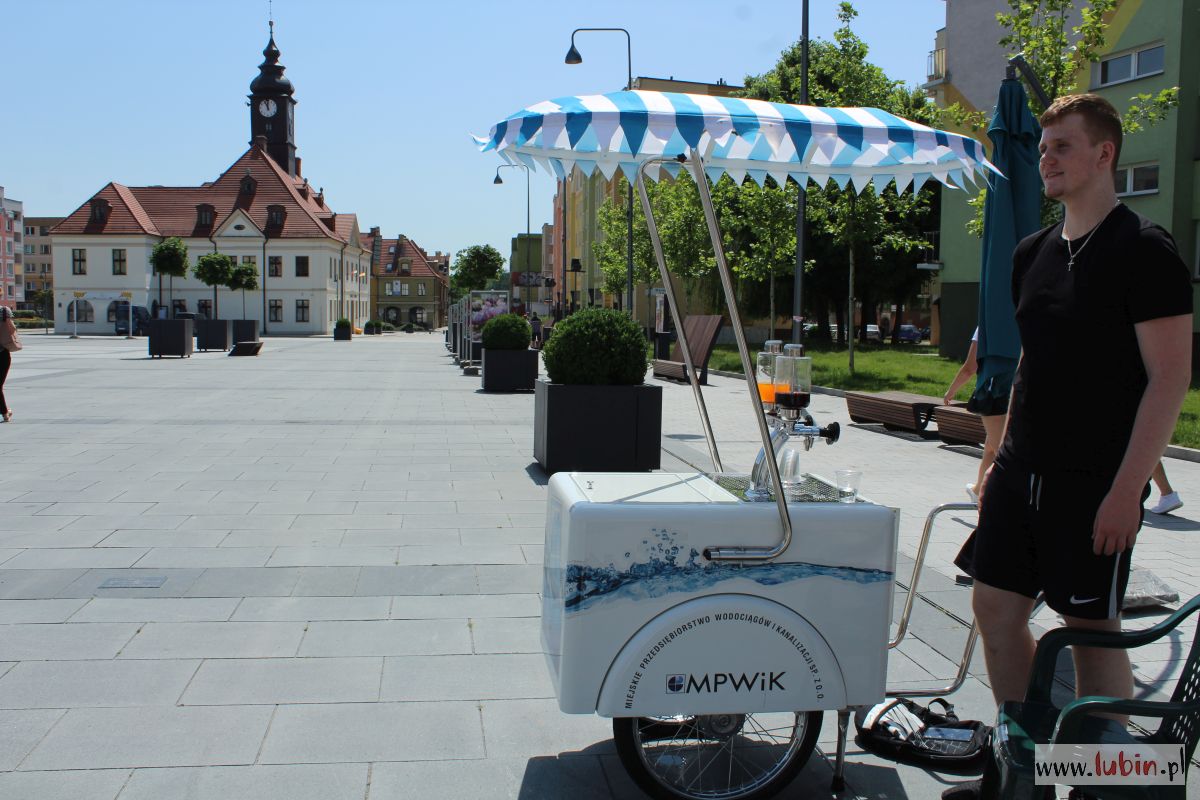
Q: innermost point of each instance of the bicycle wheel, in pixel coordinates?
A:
(717, 756)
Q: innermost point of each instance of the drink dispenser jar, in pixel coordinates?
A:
(765, 371)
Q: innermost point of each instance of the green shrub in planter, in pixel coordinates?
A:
(342, 323)
(596, 346)
(507, 332)
(387, 326)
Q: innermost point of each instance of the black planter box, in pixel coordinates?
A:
(597, 428)
(342, 334)
(509, 370)
(245, 330)
(171, 337)
(214, 334)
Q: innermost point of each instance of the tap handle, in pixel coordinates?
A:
(831, 432)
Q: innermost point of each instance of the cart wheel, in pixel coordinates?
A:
(718, 756)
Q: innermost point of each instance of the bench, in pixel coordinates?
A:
(896, 410)
(956, 425)
(246, 348)
(701, 333)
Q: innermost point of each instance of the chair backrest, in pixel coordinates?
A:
(1184, 728)
(701, 331)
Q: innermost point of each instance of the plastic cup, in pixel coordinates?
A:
(848, 482)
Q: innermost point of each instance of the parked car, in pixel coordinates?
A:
(908, 333)
(873, 334)
(141, 320)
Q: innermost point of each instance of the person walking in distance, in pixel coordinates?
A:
(991, 413)
(10, 342)
(1169, 499)
(1061, 507)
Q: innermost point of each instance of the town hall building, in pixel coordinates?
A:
(313, 267)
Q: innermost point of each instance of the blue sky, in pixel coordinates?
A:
(153, 91)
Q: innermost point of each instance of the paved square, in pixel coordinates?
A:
(315, 574)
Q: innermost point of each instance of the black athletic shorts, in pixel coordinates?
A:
(1035, 535)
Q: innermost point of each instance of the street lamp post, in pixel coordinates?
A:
(802, 196)
(497, 179)
(573, 57)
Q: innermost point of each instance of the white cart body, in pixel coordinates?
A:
(635, 622)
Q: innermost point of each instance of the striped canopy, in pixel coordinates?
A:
(735, 136)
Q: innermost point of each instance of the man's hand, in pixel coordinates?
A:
(1117, 521)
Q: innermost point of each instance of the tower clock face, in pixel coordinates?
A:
(267, 108)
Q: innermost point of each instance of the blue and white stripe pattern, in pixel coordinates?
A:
(735, 136)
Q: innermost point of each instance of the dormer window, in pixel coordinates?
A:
(100, 209)
(204, 215)
(406, 266)
(391, 249)
(275, 216)
(249, 186)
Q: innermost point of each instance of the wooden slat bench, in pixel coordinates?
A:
(701, 331)
(956, 425)
(898, 410)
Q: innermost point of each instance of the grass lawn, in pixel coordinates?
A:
(919, 369)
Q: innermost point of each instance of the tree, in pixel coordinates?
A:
(44, 300)
(875, 233)
(214, 269)
(169, 257)
(474, 268)
(243, 277)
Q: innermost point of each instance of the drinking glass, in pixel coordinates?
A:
(848, 481)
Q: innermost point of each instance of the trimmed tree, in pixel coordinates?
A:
(214, 269)
(243, 277)
(474, 268)
(169, 257)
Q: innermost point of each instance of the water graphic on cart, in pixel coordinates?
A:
(662, 574)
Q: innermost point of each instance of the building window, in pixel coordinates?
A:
(301, 266)
(391, 249)
(301, 311)
(1133, 65)
(204, 215)
(275, 266)
(275, 307)
(114, 308)
(78, 261)
(204, 308)
(45, 250)
(1141, 179)
(29, 230)
(178, 306)
(248, 185)
(406, 266)
(421, 289)
(31, 286)
(44, 230)
(86, 312)
(119, 264)
(251, 260)
(387, 288)
(100, 209)
(275, 216)
(28, 249)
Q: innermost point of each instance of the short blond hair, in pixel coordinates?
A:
(1100, 119)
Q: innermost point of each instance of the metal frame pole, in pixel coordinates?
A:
(740, 553)
(685, 348)
(801, 199)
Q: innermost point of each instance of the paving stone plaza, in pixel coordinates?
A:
(314, 575)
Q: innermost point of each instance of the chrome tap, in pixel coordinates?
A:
(782, 432)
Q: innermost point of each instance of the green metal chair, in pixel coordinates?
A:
(1019, 726)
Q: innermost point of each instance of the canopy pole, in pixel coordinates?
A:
(656, 243)
(739, 553)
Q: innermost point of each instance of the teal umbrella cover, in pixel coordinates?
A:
(1012, 212)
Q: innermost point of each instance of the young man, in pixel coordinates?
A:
(1104, 306)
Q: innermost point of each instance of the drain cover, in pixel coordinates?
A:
(134, 583)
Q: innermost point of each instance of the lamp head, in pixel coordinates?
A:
(573, 56)
(497, 179)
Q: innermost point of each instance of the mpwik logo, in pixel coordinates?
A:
(713, 682)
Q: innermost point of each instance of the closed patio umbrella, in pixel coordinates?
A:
(1012, 212)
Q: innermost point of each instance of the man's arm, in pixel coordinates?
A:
(1166, 349)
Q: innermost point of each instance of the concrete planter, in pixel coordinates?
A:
(597, 428)
(214, 334)
(170, 337)
(343, 334)
(245, 330)
(509, 370)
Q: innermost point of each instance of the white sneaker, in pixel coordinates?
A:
(971, 493)
(1167, 503)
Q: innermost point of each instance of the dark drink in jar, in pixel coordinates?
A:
(791, 399)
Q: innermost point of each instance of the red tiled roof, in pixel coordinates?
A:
(171, 210)
(407, 248)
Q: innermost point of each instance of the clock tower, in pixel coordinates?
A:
(272, 109)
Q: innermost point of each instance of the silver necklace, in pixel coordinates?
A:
(1073, 254)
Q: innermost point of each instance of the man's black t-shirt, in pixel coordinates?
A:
(1081, 377)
